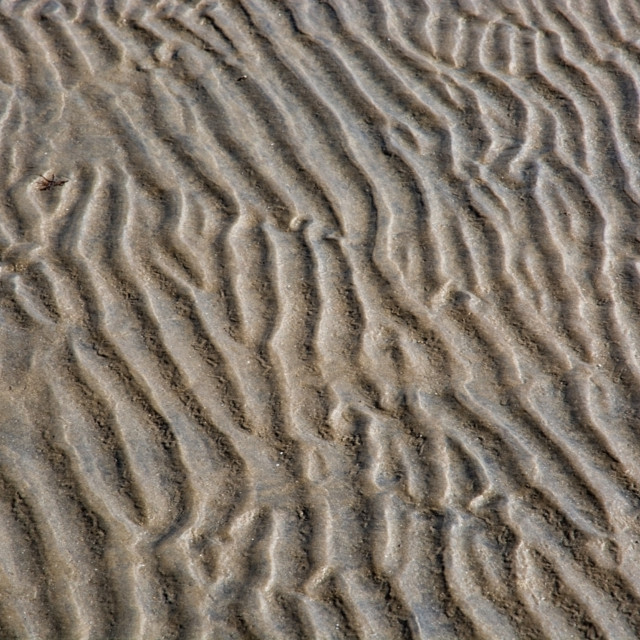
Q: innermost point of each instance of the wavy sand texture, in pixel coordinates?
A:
(333, 330)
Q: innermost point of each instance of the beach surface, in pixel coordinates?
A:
(319, 319)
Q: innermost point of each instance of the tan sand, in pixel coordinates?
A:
(319, 320)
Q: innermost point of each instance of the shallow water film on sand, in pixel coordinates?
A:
(320, 319)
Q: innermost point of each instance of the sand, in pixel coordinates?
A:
(319, 320)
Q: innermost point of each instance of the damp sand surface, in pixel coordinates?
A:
(319, 320)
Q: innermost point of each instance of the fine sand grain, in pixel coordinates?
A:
(319, 319)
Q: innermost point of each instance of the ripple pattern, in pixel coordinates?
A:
(332, 332)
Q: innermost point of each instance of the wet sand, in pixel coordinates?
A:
(323, 321)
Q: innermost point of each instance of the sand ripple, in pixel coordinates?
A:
(333, 330)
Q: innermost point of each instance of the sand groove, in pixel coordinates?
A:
(332, 331)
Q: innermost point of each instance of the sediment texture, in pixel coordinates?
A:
(333, 330)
